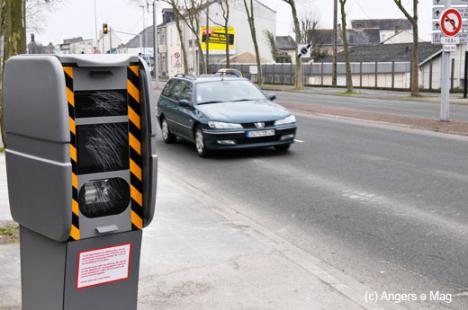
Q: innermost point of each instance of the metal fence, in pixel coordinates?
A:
(385, 75)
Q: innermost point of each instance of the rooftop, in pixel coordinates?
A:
(387, 52)
(285, 43)
(382, 24)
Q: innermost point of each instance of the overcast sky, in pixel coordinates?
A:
(75, 18)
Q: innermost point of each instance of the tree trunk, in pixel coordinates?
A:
(335, 41)
(297, 29)
(203, 67)
(226, 34)
(207, 37)
(13, 25)
(349, 78)
(253, 32)
(182, 43)
(415, 63)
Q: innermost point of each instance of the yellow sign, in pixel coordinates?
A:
(217, 39)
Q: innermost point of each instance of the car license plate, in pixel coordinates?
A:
(261, 133)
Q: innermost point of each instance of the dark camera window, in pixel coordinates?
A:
(101, 103)
(104, 197)
(102, 147)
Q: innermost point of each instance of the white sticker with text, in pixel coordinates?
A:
(103, 265)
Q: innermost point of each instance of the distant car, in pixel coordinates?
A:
(229, 71)
(222, 113)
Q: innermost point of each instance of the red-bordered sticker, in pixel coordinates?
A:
(451, 22)
(103, 265)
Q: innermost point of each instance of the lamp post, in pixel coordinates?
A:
(155, 39)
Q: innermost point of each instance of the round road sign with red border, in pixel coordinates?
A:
(451, 22)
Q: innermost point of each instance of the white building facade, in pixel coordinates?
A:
(265, 19)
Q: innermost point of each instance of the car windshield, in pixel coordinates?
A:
(224, 91)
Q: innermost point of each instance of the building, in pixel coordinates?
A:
(322, 39)
(363, 32)
(77, 45)
(108, 42)
(393, 64)
(37, 48)
(286, 47)
(239, 36)
(387, 27)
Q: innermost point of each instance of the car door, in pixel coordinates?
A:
(173, 110)
(167, 105)
(185, 114)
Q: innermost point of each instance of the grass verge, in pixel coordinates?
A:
(348, 93)
(9, 233)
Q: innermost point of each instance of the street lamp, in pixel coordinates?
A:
(142, 47)
(154, 3)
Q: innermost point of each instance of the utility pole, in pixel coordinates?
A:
(155, 43)
(207, 36)
(142, 48)
(110, 40)
(95, 23)
(335, 41)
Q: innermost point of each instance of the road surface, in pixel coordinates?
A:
(399, 107)
(384, 205)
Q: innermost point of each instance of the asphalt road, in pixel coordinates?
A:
(399, 107)
(386, 206)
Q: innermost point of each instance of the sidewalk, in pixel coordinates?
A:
(434, 97)
(195, 256)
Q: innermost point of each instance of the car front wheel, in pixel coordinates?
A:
(200, 143)
(167, 136)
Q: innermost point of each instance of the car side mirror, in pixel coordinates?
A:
(184, 103)
(271, 97)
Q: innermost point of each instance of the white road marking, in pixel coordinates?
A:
(298, 141)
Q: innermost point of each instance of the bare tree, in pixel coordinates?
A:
(413, 19)
(349, 77)
(191, 17)
(177, 16)
(249, 10)
(298, 32)
(224, 4)
(13, 32)
(309, 25)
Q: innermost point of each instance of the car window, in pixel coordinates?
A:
(167, 89)
(186, 91)
(223, 91)
(177, 89)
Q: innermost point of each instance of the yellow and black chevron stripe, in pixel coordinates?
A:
(134, 139)
(75, 227)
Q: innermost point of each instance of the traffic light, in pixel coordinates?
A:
(105, 28)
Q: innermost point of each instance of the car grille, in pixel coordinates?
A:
(252, 125)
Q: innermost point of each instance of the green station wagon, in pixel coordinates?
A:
(221, 113)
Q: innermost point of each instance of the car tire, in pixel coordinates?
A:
(167, 136)
(200, 145)
(282, 148)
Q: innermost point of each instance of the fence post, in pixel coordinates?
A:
(393, 75)
(360, 74)
(376, 73)
(411, 74)
(321, 74)
(430, 75)
(452, 74)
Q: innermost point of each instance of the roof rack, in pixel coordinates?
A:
(187, 76)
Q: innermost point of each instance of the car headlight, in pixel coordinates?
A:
(222, 125)
(288, 120)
